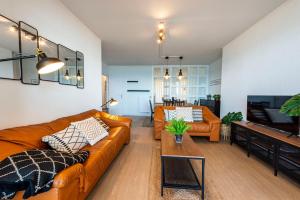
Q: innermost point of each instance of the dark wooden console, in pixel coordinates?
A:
(272, 146)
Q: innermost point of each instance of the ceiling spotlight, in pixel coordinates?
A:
(13, 29)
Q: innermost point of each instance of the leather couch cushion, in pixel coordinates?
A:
(201, 127)
(64, 122)
(29, 136)
(8, 149)
(101, 155)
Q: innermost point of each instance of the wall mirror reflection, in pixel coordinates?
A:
(50, 48)
(28, 46)
(80, 69)
(9, 49)
(67, 74)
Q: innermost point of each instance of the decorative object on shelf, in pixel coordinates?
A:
(167, 76)
(226, 123)
(180, 75)
(217, 97)
(161, 35)
(80, 69)
(208, 97)
(111, 102)
(292, 108)
(67, 74)
(9, 43)
(177, 127)
(50, 49)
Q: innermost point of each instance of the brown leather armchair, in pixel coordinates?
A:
(210, 127)
(75, 182)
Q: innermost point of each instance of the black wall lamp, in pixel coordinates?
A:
(45, 65)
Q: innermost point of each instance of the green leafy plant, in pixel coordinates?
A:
(177, 127)
(292, 106)
(232, 116)
(217, 97)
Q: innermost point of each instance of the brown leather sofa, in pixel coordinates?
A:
(77, 181)
(210, 127)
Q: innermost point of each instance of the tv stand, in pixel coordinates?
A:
(270, 145)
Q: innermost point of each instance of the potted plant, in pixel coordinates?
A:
(292, 108)
(227, 120)
(217, 97)
(177, 127)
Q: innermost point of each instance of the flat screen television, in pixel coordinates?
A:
(264, 110)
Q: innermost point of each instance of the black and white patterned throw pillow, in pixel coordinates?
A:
(105, 126)
(69, 140)
(197, 115)
(170, 114)
(91, 129)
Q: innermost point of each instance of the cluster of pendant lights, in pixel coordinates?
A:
(180, 74)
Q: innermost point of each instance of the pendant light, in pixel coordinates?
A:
(167, 76)
(67, 76)
(180, 75)
(78, 75)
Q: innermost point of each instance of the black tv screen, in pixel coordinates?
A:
(265, 110)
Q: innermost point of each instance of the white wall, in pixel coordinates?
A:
(214, 77)
(265, 60)
(25, 104)
(130, 103)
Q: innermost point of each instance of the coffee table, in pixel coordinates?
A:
(177, 170)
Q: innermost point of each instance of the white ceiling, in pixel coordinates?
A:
(196, 29)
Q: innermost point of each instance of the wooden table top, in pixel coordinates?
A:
(187, 149)
(295, 141)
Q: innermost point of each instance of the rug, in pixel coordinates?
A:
(174, 194)
(147, 122)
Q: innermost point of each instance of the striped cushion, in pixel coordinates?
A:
(197, 115)
(185, 113)
(170, 114)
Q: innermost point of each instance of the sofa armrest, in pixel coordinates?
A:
(114, 120)
(68, 175)
(214, 124)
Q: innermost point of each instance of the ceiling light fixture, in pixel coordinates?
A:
(180, 75)
(67, 76)
(78, 75)
(161, 33)
(167, 76)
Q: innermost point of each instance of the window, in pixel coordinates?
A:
(191, 87)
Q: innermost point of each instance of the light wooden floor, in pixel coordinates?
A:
(229, 170)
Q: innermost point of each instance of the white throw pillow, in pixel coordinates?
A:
(185, 113)
(69, 140)
(170, 114)
(91, 129)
